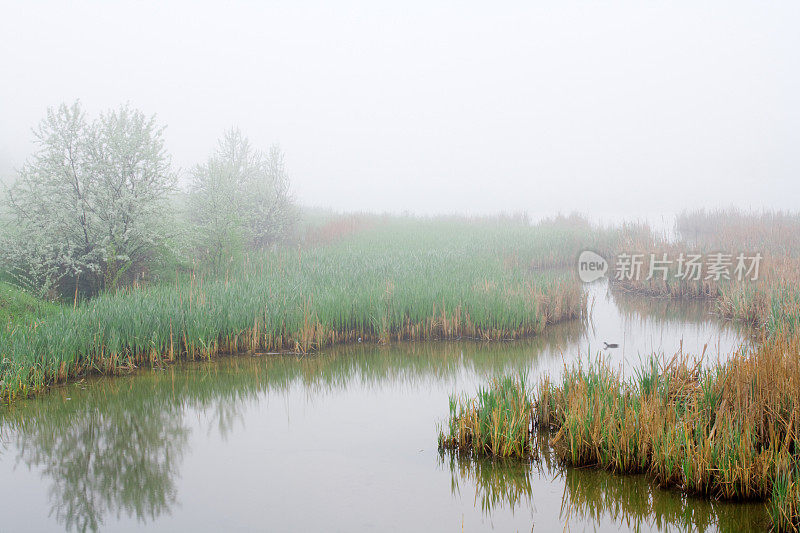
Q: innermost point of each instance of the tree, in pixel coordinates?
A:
(271, 210)
(92, 203)
(239, 197)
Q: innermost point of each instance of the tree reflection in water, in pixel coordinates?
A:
(114, 447)
(117, 446)
(113, 459)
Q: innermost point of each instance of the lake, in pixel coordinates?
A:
(344, 439)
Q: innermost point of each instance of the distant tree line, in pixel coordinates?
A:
(97, 206)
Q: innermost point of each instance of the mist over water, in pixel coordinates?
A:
(233, 294)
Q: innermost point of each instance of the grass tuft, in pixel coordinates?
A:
(730, 432)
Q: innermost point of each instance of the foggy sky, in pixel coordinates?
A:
(604, 108)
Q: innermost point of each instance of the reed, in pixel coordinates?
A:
(592, 498)
(495, 423)
(774, 233)
(770, 304)
(397, 279)
(731, 431)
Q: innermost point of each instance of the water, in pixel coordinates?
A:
(342, 440)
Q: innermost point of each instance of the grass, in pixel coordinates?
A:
(774, 233)
(728, 432)
(398, 279)
(132, 433)
(16, 305)
(495, 423)
(592, 499)
(770, 304)
(731, 431)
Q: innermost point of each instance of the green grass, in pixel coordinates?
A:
(495, 423)
(731, 431)
(16, 305)
(728, 432)
(398, 279)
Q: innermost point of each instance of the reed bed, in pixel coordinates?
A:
(593, 497)
(728, 432)
(396, 280)
(775, 233)
(731, 431)
(770, 304)
(496, 423)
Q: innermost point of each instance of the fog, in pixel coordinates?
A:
(623, 108)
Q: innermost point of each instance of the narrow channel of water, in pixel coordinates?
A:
(341, 440)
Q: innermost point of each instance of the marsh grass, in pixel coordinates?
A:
(496, 422)
(396, 279)
(775, 233)
(592, 497)
(770, 304)
(731, 431)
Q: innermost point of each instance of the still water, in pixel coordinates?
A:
(340, 440)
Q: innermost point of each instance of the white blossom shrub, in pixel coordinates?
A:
(91, 206)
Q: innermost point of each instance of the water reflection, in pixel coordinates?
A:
(499, 483)
(688, 315)
(643, 326)
(598, 497)
(118, 457)
(115, 449)
(594, 499)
